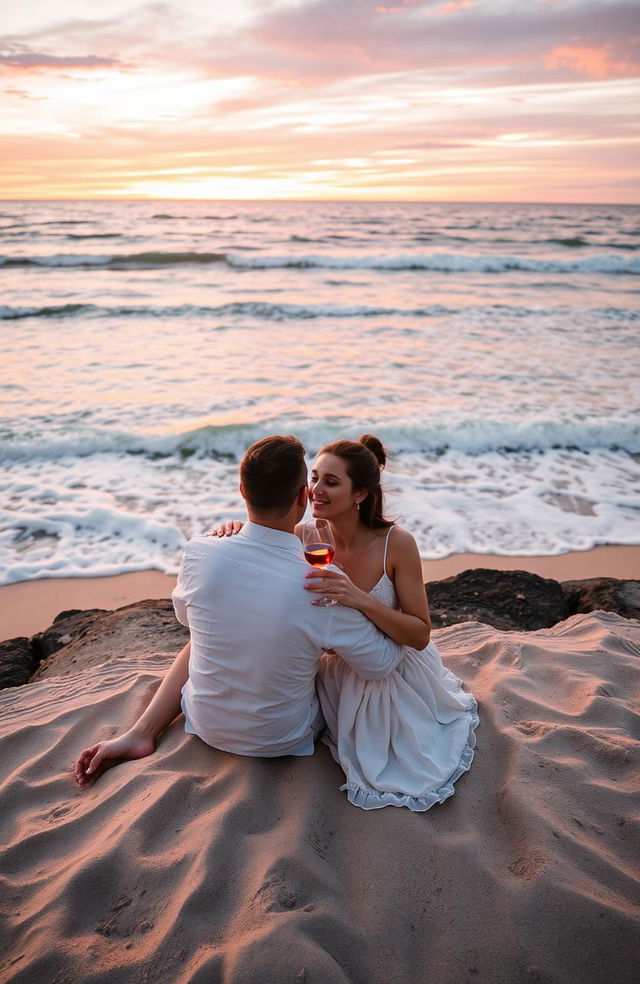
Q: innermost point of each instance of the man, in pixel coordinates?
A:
(246, 679)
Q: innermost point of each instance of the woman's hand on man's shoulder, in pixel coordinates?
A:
(229, 528)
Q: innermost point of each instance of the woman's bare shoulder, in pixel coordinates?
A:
(401, 538)
(402, 546)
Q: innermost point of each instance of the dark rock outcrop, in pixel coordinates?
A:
(507, 600)
(144, 627)
(17, 662)
(610, 594)
(66, 627)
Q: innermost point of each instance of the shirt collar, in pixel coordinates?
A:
(274, 538)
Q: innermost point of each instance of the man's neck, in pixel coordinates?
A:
(286, 524)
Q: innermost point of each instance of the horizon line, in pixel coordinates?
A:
(328, 201)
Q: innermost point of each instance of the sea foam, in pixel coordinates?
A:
(109, 513)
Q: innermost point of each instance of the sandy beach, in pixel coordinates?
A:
(30, 606)
(194, 865)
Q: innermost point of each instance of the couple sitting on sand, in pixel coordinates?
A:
(268, 668)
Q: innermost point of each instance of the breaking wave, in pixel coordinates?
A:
(607, 263)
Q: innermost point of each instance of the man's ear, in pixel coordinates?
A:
(303, 496)
(241, 488)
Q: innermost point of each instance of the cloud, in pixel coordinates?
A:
(11, 90)
(307, 45)
(145, 36)
(594, 61)
(21, 58)
(451, 8)
(331, 39)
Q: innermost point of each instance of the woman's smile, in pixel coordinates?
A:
(319, 500)
(318, 505)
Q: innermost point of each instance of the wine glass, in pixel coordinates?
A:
(319, 549)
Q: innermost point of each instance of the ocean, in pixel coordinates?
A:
(145, 345)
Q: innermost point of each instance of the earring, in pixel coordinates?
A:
(358, 506)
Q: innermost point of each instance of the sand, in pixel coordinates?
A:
(198, 866)
(31, 606)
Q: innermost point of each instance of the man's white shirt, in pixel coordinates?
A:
(256, 642)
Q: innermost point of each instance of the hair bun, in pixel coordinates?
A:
(374, 446)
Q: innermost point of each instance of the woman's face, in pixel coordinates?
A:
(330, 489)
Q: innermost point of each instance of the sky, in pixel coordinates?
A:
(422, 100)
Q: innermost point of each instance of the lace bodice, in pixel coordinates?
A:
(385, 592)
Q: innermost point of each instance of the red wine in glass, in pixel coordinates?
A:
(319, 549)
(319, 554)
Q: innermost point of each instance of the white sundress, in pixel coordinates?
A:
(403, 740)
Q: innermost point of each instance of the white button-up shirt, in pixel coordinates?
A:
(256, 641)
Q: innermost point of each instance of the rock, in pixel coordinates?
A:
(66, 627)
(17, 662)
(145, 627)
(610, 594)
(507, 600)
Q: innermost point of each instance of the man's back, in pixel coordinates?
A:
(256, 640)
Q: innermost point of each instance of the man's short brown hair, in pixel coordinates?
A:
(272, 473)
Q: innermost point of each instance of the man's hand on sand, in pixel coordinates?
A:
(96, 759)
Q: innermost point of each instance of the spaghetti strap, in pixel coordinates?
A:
(386, 547)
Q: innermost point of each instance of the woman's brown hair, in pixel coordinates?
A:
(364, 460)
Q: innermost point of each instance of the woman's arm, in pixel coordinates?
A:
(409, 627)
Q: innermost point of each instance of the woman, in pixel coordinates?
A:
(403, 740)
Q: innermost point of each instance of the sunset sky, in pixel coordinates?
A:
(479, 100)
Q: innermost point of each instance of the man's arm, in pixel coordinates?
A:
(140, 740)
(369, 653)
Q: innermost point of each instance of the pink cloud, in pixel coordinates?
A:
(454, 6)
(324, 41)
(596, 62)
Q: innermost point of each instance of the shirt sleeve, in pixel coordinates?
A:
(368, 651)
(183, 590)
